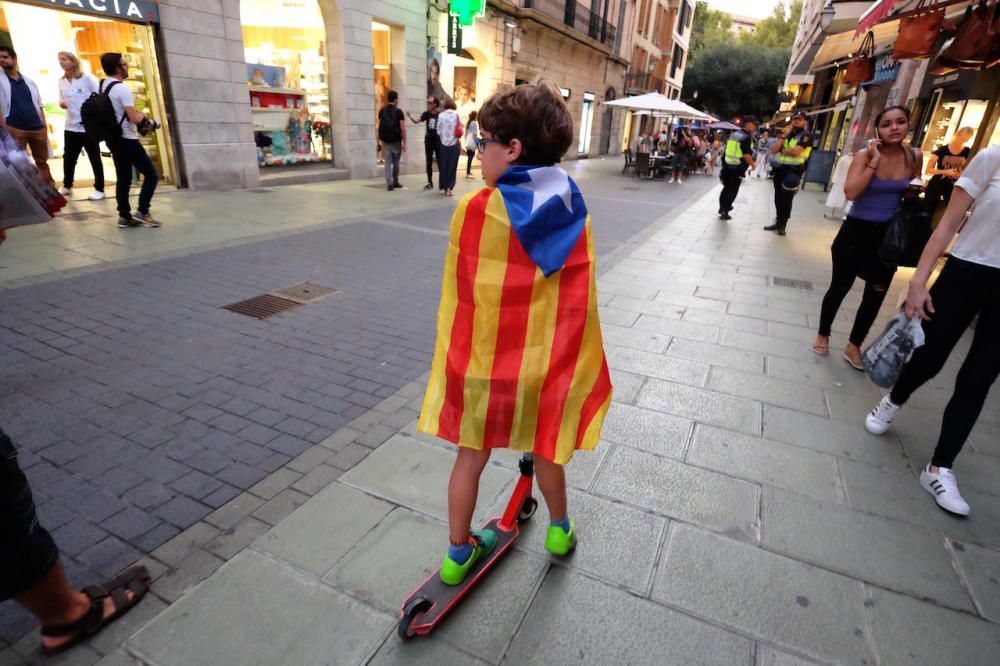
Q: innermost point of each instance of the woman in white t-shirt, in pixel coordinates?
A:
(471, 142)
(969, 285)
(74, 89)
(448, 123)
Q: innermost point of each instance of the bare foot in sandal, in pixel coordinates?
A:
(822, 345)
(852, 354)
(69, 617)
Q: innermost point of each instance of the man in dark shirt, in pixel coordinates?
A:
(21, 112)
(432, 144)
(391, 139)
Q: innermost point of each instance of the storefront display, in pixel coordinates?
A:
(960, 99)
(285, 50)
(38, 34)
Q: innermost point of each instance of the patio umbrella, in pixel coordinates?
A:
(723, 125)
(658, 103)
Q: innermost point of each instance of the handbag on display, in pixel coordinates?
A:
(976, 45)
(862, 68)
(919, 31)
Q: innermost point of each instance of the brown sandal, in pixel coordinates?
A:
(135, 580)
(821, 349)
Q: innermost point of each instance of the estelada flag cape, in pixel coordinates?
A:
(519, 362)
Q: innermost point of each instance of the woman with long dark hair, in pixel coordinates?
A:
(875, 183)
(448, 122)
(968, 286)
(471, 141)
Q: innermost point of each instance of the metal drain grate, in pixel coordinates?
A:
(262, 307)
(792, 284)
(304, 292)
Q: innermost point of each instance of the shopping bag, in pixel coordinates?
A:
(908, 233)
(883, 360)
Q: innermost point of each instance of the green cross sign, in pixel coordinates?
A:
(467, 10)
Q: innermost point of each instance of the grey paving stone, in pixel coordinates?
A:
(178, 548)
(633, 631)
(618, 317)
(768, 313)
(234, 510)
(845, 440)
(980, 569)
(131, 523)
(765, 595)
(233, 539)
(187, 632)
(182, 511)
(781, 392)
(647, 429)
(317, 480)
(908, 631)
(119, 657)
(275, 482)
(768, 656)
(656, 365)
(765, 345)
(862, 546)
(277, 508)
(241, 475)
(411, 473)
(322, 530)
(110, 556)
(679, 328)
(196, 485)
(823, 373)
(76, 537)
(196, 567)
(726, 321)
(634, 338)
(763, 461)
(702, 405)
(716, 355)
(626, 386)
(681, 491)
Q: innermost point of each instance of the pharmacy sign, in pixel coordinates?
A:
(467, 10)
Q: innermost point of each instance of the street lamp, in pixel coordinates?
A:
(826, 16)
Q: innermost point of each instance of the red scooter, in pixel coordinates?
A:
(429, 603)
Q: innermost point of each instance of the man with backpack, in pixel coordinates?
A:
(22, 113)
(110, 115)
(391, 138)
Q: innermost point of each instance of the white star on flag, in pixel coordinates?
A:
(548, 182)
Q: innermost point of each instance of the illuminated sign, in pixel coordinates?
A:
(467, 10)
(138, 11)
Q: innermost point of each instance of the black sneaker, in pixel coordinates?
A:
(429, 186)
(128, 223)
(388, 187)
(772, 227)
(397, 186)
(781, 231)
(725, 216)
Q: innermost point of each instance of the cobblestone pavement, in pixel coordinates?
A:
(152, 421)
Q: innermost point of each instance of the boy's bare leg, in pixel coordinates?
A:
(552, 482)
(463, 489)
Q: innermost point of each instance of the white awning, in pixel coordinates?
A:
(661, 104)
(845, 45)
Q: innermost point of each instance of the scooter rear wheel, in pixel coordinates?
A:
(412, 609)
(527, 509)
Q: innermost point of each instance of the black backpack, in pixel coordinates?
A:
(98, 115)
(388, 124)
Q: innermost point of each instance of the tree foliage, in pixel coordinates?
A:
(733, 79)
(777, 30)
(709, 28)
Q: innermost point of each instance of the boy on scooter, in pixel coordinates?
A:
(519, 361)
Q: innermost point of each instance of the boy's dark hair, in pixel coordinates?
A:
(450, 104)
(535, 115)
(110, 63)
(392, 96)
(10, 50)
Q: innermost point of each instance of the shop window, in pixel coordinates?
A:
(285, 51)
(38, 34)
(948, 117)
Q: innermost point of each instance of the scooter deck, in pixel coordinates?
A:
(444, 597)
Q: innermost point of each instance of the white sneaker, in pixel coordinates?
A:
(944, 487)
(879, 419)
(671, 179)
(96, 196)
(65, 191)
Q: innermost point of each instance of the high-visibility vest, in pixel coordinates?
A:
(734, 151)
(792, 142)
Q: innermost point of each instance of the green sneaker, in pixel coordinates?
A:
(559, 542)
(453, 573)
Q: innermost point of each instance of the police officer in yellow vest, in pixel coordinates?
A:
(791, 151)
(738, 157)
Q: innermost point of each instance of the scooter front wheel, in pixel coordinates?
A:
(412, 609)
(527, 509)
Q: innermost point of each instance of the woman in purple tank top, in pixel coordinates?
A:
(875, 183)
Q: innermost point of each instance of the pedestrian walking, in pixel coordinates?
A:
(944, 166)
(449, 132)
(735, 162)
(391, 138)
(715, 148)
(681, 146)
(968, 286)
(529, 233)
(32, 573)
(879, 174)
(74, 88)
(763, 157)
(22, 113)
(127, 152)
(432, 146)
(471, 141)
(790, 151)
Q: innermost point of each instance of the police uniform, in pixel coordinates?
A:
(734, 167)
(787, 174)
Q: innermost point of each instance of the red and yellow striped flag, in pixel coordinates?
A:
(519, 362)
